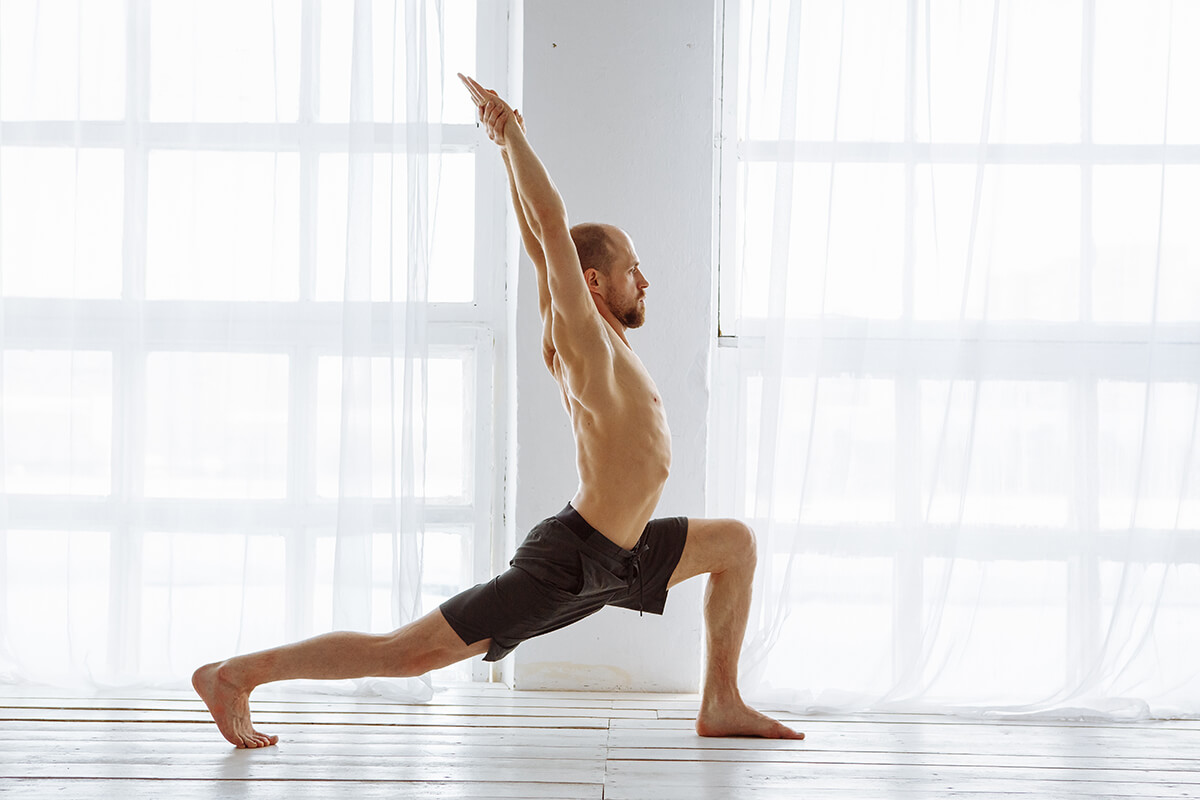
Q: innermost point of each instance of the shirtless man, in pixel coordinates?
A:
(602, 548)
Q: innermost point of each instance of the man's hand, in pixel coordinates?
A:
(494, 113)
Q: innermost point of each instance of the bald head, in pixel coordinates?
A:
(597, 245)
(610, 267)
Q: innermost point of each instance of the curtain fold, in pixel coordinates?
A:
(216, 225)
(961, 403)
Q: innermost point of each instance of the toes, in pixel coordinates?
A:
(262, 739)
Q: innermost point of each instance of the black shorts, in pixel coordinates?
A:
(566, 570)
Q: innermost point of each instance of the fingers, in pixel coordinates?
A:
(477, 92)
(480, 95)
(493, 110)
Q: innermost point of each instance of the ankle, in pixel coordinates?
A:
(234, 674)
(721, 697)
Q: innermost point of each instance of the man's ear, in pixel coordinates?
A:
(592, 277)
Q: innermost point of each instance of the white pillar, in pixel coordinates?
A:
(618, 101)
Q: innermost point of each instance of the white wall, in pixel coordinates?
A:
(618, 100)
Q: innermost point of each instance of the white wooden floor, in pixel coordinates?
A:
(479, 741)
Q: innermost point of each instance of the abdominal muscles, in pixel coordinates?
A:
(624, 455)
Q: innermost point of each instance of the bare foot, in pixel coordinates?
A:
(229, 705)
(738, 719)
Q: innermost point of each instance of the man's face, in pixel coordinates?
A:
(625, 289)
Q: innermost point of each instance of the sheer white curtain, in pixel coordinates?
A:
(216, 223)
(959, 371)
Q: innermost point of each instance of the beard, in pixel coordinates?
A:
(632, 315)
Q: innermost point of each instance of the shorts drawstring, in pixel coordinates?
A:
(637, 570)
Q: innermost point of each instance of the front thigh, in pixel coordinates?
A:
(712, 545)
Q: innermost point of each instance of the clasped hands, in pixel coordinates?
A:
(493, 111)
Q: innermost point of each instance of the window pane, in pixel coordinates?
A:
(1133, 42)
(451, 273)
(386, 81)
(1170, 595)
(1002, 458)
(223, 226)
(445, 570)
(447, 424)
(1135, 257)
(216, 425)
(1003, 628)
(452, 404)
(337, 35)
(458, 18)
(1023, 263)
(847, 605)
(55, 592)
(61, 222)
(1036, 79)
(1149, 456)
(844, 257)
(862, 42)
(62, 59)
(755, 204)
(57, 422)
(224, 61)
(446, 565)
(851, 435)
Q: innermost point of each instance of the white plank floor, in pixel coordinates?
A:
(479, 741)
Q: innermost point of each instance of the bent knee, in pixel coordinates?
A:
(741, 543)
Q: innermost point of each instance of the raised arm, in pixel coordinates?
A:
(541, 208)
(532, 246)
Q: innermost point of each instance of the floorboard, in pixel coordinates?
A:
(479, 742)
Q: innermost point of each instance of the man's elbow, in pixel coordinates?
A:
(545, 217)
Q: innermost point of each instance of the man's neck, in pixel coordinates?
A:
(612, 321)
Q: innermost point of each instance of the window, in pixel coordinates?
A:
(959, 304)
(175, 179)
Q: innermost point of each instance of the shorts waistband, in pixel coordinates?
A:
(581, 528)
